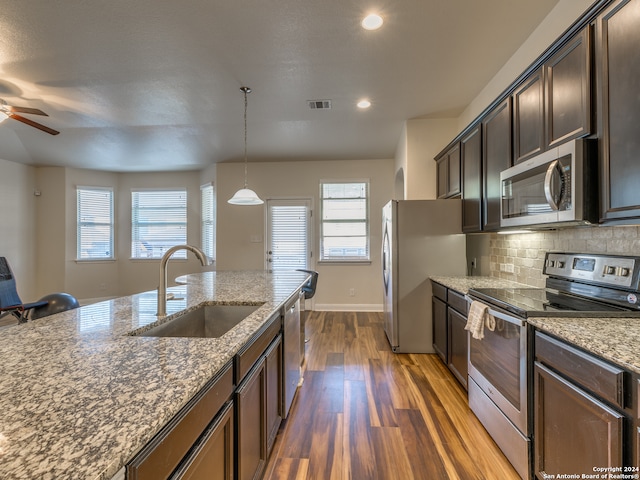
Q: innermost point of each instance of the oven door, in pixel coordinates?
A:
(498, 365)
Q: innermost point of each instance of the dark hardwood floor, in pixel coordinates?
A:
(364, 412)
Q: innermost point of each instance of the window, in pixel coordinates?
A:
(158, 222)
(208, 220)
(344, 222)
(94, 223)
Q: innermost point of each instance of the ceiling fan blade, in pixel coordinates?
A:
(31, 111)
(34, 124)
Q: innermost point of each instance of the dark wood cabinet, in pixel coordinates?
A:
(496, 157)
(213, 456)
(251, 424)
(471, 160)
(448, 173)
(458, 345)
(439, 318)
(568, 92)
(573, 431)
(172, 447)
(528, 117)
(585, 410)
(618, 71)
(450, 339)
(273, 392)
(259, 411)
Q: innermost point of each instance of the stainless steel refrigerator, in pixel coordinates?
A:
(420, 238)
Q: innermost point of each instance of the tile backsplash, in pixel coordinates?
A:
(520, 257)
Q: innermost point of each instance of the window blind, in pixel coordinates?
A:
(158, 222)
(344, 221)
(208, 220)
(289, 227)
(94, 223)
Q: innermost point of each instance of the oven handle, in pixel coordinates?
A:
(548, 178)
(503, 316)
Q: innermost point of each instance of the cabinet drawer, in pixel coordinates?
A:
(439, 291)
(167, 449)
(590, 372)
(458, 302)
(250, 353)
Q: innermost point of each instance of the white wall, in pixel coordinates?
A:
(238, 224)
(18, 235)
(564, 14)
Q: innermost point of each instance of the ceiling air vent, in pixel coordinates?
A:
(319, 104)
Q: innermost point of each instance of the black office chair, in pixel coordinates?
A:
(309, 288)
(10, 302)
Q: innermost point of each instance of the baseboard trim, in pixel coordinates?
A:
(337, 307)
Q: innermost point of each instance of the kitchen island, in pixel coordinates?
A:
(80, 396)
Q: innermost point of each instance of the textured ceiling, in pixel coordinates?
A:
(152, 85)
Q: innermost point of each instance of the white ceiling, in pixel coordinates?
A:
(152, 85)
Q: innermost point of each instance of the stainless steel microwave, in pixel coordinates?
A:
(558, 187)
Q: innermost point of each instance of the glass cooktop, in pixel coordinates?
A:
(543, 302)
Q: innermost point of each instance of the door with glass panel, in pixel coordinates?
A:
(288, 234)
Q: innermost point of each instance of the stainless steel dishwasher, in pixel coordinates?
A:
(292, 355)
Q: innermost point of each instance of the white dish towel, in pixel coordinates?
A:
(476, 319)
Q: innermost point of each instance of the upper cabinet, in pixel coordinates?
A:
(448, 168)
(471, 160)
(568, 91)
(496, 157)
(528, 118)
(618, 71)
(553, 104)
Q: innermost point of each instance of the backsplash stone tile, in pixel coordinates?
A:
(520, 257)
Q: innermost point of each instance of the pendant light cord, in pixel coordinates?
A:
(246, 90)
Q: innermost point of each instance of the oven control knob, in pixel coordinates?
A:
(622, 272)
(560, 264)
(609, 270)
(551, 263)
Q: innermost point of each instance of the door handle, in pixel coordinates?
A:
(553, 171)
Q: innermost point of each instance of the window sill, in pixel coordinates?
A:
(95, 260)
(344, 262)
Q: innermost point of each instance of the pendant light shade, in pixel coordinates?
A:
(245, 196)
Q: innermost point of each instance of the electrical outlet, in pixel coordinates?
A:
(508, 267)
(474, 264)
(352, 292)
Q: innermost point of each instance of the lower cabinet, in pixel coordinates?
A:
(450, 339)
(251, 423)
(212, 457)
(573, 431)
(458, 346)
(259, 412)
(203, 425)
(439, 318)
(582, 414)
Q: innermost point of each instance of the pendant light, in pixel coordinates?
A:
(245, 196)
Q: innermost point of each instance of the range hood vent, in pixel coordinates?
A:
(319, 104)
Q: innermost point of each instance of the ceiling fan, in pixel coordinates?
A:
(9, 111)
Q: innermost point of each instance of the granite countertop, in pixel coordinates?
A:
(614, 339)
(464, 284)
(79, 396)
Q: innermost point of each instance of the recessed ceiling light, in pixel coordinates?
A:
(364, 103)
(372, 22)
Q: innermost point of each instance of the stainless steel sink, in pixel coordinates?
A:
(208, 321)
